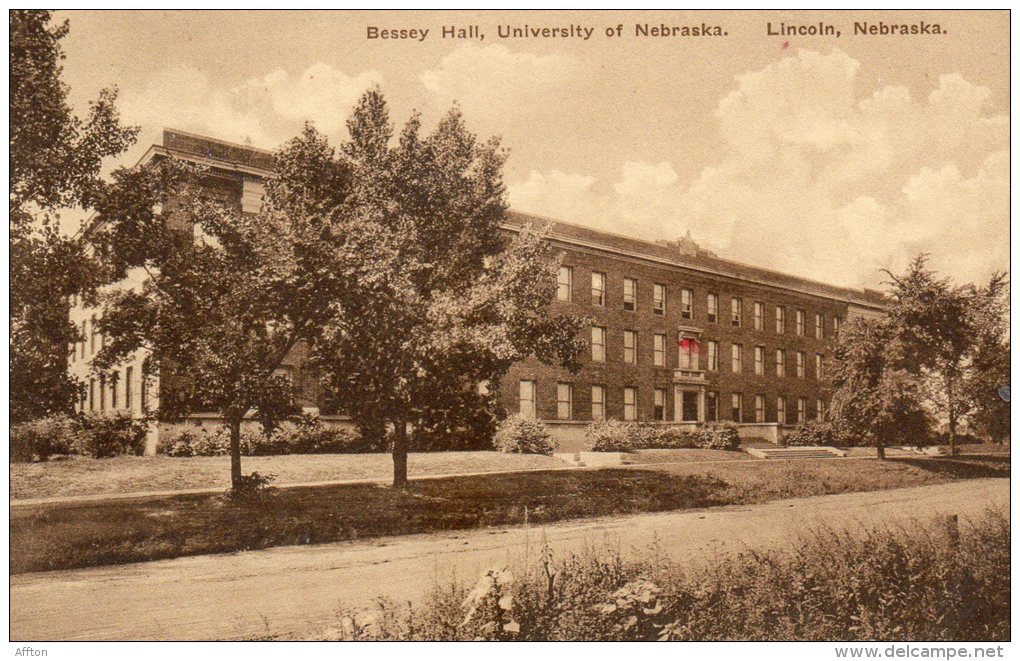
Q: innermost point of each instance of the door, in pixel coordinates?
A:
(690, 406)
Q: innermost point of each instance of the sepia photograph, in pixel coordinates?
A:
(532, 325)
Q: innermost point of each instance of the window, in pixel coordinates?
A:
(713, 355)
(687, 303)
(92, 394)
(92, 338)
(711, 406)
(780, 362)
(800, 322)
(759, 315)
(759, 408)
(598, 402)
(735, 311)
(820, 410)
(781, 410)
(800, 364)
(143, 387)
(735, 358)
(835, 324)
(564, 283)
(598, 288)
(84, 335)
(113, 391)
(819, 366)
(527, 397)
(759, 360)
(735, 402)
(598, 344)
(713, 307)
(630, 347)
(801, 408)
(659, 350)
(659, 299)
(660, 404)
(689, 350)
(102, 393)
(630, 403)
(564, 401)
(819, 326)
(780, 319)
(629, 294)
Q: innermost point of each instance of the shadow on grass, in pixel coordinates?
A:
(961, 467)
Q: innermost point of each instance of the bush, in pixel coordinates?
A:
(43, 438)
(612, 436)
(306, 435)
(102, 436)
(720, 437)
(615, 436)
(522, 436)
(814, 432)
(671, 437)
(309, 436)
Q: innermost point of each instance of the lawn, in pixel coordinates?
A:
(59, 536)
(82, 475)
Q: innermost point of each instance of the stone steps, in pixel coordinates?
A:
(807, 452)
(594, 458)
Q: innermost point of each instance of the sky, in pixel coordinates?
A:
(827, 157)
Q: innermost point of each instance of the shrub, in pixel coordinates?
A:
(671, 437)
(612, 436)
(102, 436)
(813, 432)
(720, 437)
(523, 436)
(43, 438)
(615, 436)
(307, 435)
(198, 442)
(251, 488)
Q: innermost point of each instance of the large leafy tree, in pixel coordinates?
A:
(55, 161)
(989, 361)
(444, 300)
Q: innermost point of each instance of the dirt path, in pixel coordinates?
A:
(292, 591)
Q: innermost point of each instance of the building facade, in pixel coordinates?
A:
(678, 334)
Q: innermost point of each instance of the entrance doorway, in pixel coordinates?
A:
(689, 406)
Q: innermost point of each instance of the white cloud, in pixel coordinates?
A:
(816, 181)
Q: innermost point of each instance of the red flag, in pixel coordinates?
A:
(690, 345)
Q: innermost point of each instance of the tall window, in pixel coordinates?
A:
(780, 362)
(92, 394)
(630, 347)
(801, 409)
(689, 353)
(629, 294)
(713, 307)
(735, 406)
(800, 364)
(660, 404)
(598, 344)
(713, 356)
(820, 410)
(735, 358)
(143, 391)
(819, 326)
(630, 403)
(711, 406)
(781, 409)
(819, 366)
(659, 299)
(759, 408)
(780, 319)
(598, 402)
(735, 312)
(800, 322)
(835, 324)
(102, 393)
(527, 398)
(759, 360)
(92, 338)
(759, 315)
(659, 350)
(113, 391)
(686, 303)
(598, 288)
(84, 335)
(564, 401)
(564, 283)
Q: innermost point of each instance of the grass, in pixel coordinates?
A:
(932, 583)
(61, 536)
(83, 476)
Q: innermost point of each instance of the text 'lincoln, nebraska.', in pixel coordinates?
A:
(525, 31)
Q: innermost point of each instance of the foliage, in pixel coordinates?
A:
(918, 583)
(55, 159)
(722, 436)
(612, 435)
(523, 436)
(441, 302)
(814, 432)
(989, 361)
(252, 488)
(43, 438)
(305, 436)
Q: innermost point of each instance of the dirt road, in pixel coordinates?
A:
(294, 591)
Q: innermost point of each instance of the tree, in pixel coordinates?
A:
(876, 397)
(989, 362)
(444, 301)
(217, 316)
(55, 161)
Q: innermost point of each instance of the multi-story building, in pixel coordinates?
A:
(678, 334)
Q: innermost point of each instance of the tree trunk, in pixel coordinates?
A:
(235, 452)
(400, 454)
(952, 432)
(880, 450)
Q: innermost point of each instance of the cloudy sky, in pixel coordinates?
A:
(826, 157)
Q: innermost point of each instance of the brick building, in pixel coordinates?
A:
(678, 335)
